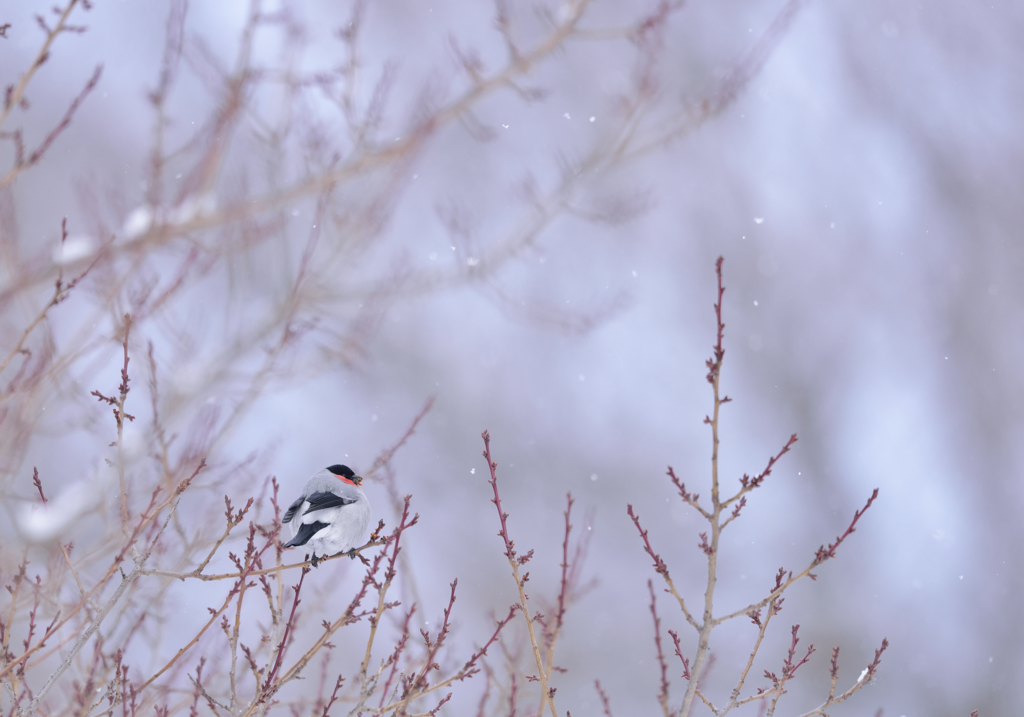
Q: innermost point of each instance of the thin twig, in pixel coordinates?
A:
(126, 582)
(546, 696)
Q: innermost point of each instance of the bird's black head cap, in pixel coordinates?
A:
(345, 472)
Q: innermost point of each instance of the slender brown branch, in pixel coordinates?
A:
(734, 697)
(387, 454)
(663, 689)
(865, 679)
(17, 94)
(547, 696)
(24, 163)
(61, 290)
(748, 484)
(101, 614)
(716, 99)
(605, 704)
(288, 629)
(820, 556)
(389, 576)
(566, 586)
(195, 575)
(469, 669)
(696, 670)
(144, 520)
(661, 567)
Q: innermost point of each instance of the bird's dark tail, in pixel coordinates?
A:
(306, 531)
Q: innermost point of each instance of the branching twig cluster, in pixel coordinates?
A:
(251, 680)
(718, 515)
(542, 647)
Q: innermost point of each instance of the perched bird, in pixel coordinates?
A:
(331, 515)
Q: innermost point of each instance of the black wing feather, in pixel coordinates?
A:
(292, 508)
(306, 531)
(325, 499)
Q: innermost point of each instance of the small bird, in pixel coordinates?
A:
(331, 515)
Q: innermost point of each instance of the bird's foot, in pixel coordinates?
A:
(315, 561)
(351, 553)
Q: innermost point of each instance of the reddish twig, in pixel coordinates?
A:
(748, 484)
(334, 696)
(560, 613)
(15, 95)
(396, 654)
(65, 121)
(470, 668)
(387, 454)
(864, 679)
(512, 696)
(663, 691)
(38, 484)
(659, 565)
(288, 629)
(605, 704)
(679, 654)
(789, 667)
(394, 542)
(510, 551)
(824, 553)
(420, 683)
(688, 497)
(547, 694)
(714, 363)
(119, 416)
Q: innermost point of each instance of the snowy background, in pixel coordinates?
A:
(865, 190)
